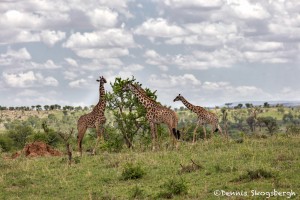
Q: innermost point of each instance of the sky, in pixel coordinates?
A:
(211, 52)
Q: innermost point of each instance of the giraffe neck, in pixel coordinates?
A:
(188, 104)
(142, 98)
(102, 99)
(100, 107)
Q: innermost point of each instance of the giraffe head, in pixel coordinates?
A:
(178, 98)
(102, 80)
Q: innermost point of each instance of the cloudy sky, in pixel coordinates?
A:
(212, 52)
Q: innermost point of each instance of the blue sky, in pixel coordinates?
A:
(211, 52)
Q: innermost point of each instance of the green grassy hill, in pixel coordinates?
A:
(242, 165)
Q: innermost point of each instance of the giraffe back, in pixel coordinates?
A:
(205, 116)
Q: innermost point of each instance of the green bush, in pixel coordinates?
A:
(132, 171)
(173, 187)
(270, 123)
(6, 143)
(113, 140)
(19, 134)
(293, 129)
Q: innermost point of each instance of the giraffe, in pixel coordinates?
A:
(95, 119)
(156, 114)
(204, 117)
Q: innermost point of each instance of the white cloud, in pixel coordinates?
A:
(81, 83)
(169, 81)
(266, 57)
(262, 45)
(50, 81)
(20, 19)
(70, 75)
(102, 53)
(207, 34)
(245, 10)
(14, 55)
(106, 38)
(200, 60)
(159, 28)
(134, 67)
(214, 85)
(193, 3)
(28, 79)
(71, 62)
(49, 64)
(103, 17)
(50, 38)
(102, 63)
(28, 92)
(18, 36)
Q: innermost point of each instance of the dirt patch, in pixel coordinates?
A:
(37, 149)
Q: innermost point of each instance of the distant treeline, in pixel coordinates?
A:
(47, 107)
(78, 108)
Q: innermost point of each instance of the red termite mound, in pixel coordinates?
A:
(36, 149)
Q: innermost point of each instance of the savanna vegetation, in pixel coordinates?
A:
(262, 153)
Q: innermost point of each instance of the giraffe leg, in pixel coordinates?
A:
(81, 132)
(172, 136)
(99, 131)
(154, 135)
(194, 135)
(204, 131)
(221, 131)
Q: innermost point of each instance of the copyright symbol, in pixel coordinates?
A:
(217, 192)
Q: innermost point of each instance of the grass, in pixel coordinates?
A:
(261, 164)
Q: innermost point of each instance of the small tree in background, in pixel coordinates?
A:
(128, 113)
(266, 105)
(225, 119)
(269, 122)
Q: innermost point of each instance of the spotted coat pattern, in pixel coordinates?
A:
(156, 114)
(204, 117)
(95, 119)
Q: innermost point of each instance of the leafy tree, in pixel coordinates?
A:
(239, 117)
(228, 104)
(239, 106)
(46, 107)
(128, 113)
(266, 105)
(249, 105)
(270, 123)
(288, 118)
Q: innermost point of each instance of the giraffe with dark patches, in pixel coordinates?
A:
(204, 117)
(156, 114)
(95, 119)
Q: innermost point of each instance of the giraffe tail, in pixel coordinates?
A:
(216, 130)
(176, 133)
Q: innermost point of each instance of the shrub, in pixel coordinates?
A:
(113, 140)
(270, 123)
(19, 135)
(173, 187)
(293, 129)
(132, 171)
(6, 143)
